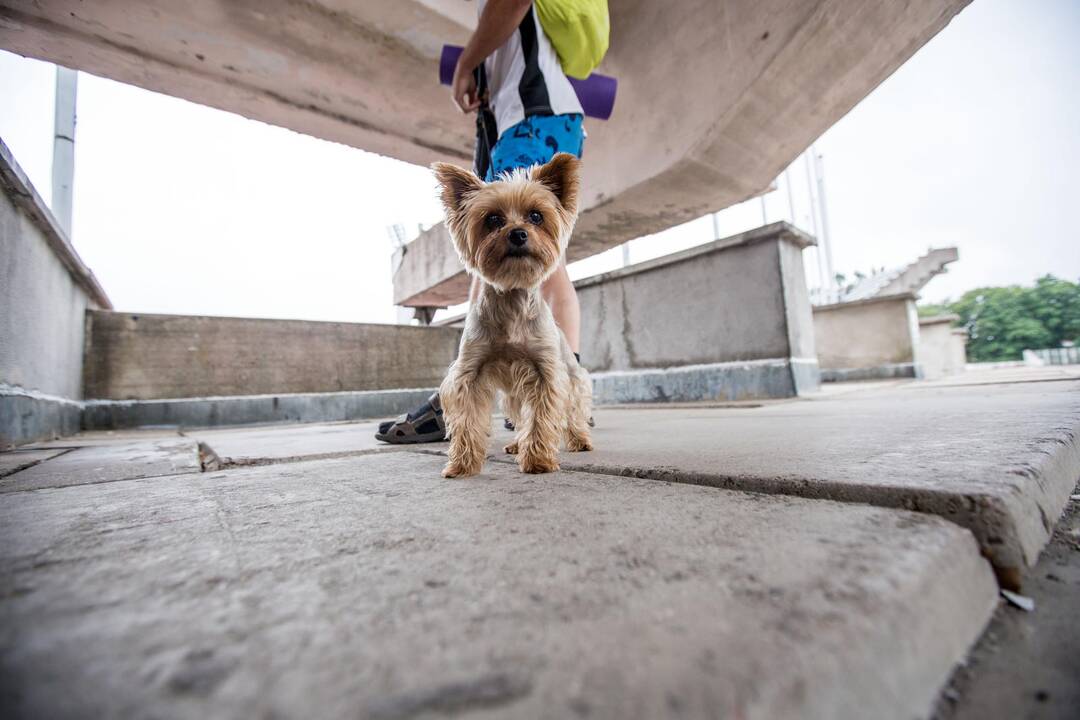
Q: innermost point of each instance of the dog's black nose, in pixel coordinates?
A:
(518, 237)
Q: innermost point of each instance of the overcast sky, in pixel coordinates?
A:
(180, 208)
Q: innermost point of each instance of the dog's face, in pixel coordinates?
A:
(512, 232)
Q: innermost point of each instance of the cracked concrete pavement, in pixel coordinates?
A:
(321, 569)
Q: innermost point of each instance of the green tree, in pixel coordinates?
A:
(1004, 321)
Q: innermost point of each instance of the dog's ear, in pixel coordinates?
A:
(456, 184)
(560, 175)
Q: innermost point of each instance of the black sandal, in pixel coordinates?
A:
(423, 425)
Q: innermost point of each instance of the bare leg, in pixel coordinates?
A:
(560, 294)
(474, 289)
(580, 404)
(513, 411)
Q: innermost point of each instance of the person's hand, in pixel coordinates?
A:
(463, 89)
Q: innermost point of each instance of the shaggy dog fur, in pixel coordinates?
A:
(512, 234)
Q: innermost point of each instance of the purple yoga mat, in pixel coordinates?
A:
(596, 92)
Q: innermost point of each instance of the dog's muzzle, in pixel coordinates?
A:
(518, 240)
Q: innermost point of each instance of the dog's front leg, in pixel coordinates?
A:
(467, 402)
(544, 394)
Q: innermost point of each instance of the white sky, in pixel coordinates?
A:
(180, 208)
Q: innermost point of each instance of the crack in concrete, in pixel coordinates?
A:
(33, 463)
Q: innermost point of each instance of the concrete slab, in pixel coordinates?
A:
(16, 460)
(1027, 664)
(999, 376)
(96, 438)
(250, 409)
(369, 587)
(248, 446)
(999, 460)
(108, 463)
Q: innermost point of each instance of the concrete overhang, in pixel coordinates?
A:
(715, 99)
(774, 231)
(876, 299)
(947, 318)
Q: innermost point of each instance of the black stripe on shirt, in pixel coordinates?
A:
(533, 87)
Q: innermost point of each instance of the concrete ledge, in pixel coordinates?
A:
(136, 356)
(229, 594)
(782, 231)
(876, 300)
(999, 461)
(870, 336)
(28, 417)
(726, 320)
(16, 185)
(779, 377)
(250, 409)
(881, 372)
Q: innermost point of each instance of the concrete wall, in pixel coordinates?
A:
(942, 347)
(867, 339)
(740, 301)
(149, 357)
(44, 292)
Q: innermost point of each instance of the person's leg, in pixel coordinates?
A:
(533, 141)
(561, 296)
(474, 290)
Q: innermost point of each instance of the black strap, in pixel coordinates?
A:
(487, 132)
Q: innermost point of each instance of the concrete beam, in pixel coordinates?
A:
(715, 99)
(710, 119)
(364, 74)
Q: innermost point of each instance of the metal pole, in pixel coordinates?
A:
(626, 254)
(63, 164)
(790, 196)
(813, 217)
(819, 167)
(764, 215)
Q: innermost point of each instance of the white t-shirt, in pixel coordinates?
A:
(525, 78)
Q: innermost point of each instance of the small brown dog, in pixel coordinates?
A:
(512, 233)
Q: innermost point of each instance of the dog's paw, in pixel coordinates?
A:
(579, 444)
(534, 464)
(511, 449)
(457, 470)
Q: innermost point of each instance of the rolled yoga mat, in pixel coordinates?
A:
(596, 92)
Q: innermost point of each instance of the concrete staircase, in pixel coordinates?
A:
(914, 277)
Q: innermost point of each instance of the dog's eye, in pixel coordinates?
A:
(494, 221)
(535, 218)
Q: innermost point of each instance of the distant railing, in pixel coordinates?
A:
(1058, 356)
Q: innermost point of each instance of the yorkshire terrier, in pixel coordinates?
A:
(512, 233)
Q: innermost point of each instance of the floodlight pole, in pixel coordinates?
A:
(807, 161)
(819, 171)
(63, 163)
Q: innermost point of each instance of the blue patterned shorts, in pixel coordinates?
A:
(534, 141)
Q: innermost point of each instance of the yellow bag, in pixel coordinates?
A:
(578, 30)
